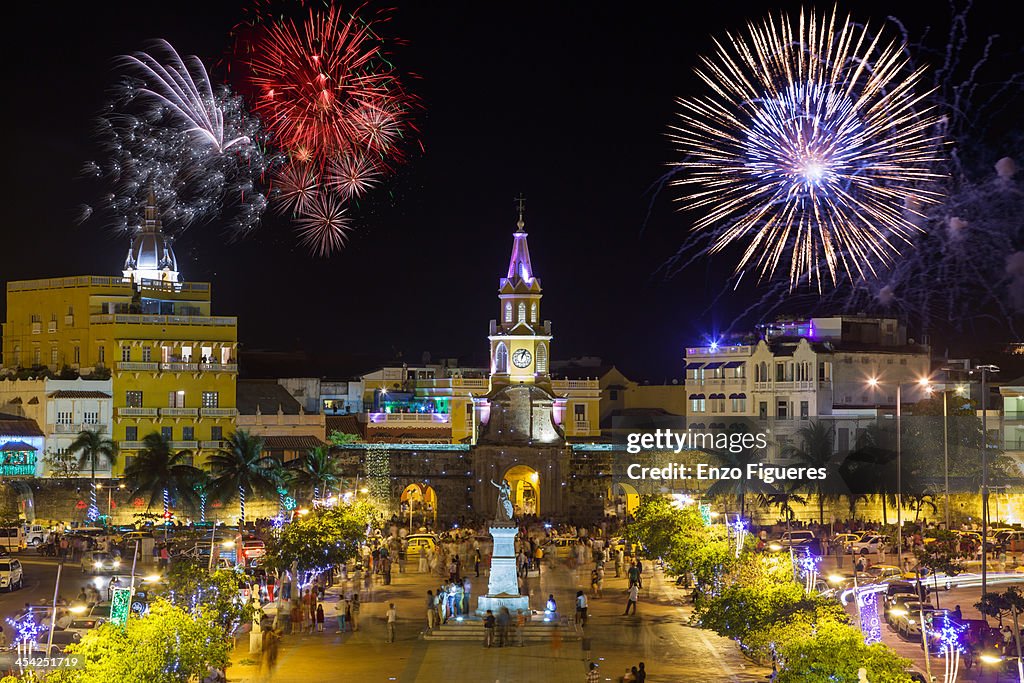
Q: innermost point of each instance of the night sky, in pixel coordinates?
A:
(567, 103)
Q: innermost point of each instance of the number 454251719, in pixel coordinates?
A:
(66, 662)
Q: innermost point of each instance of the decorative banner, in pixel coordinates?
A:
(869, 621)
(138, 502)
(120, 605)
(80, 505)
(705, 512)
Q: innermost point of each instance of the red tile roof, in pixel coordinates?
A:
(291, 443)
(69, 393)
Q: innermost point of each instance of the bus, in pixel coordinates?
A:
(12, 539)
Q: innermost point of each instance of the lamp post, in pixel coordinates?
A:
(873, 382)
(985, 371)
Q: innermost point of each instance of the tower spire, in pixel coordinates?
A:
(521, 203)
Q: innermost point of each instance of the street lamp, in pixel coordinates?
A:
(985, 371)
(874, 383)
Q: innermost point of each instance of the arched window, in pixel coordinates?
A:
(501, 358)
(533, 312)
(508, 311)
(522, 312)
(542, 357)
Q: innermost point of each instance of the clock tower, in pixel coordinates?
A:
(520, 342)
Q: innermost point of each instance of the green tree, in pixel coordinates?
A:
(191, 586)
(817, 450)
(168, 645)
(62, 465)
(163, 473)
(94, 449)
(339, 438)
(316, 470)
(833, 652)
(322, 538)
(743, 486)
(242, 469)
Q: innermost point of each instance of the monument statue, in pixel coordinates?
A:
(505, 510)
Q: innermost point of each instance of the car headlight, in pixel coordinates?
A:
(99, 565)
(116, 563)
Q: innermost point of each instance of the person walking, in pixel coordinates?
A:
(639, 573)
(581, 608)
(355, 612)
(431, 611)
(619, 556)
(319, 616)
(488, 629)
(633, 575)
(392, 616)
(504, 619)
(634, 593)
(476, 561)
(592, 675)
(340, 610)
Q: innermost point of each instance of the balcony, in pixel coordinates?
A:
(218, 367)
(409, 419)
(37, 327)
(582, 427)
(133, 411)
(69, 427)
(143, 319)
(69, 321)
(52, 326)
(184, 445)
(179, 367)
(479, 383)
(218, 412)
(131, 445)
(179, 412)
(564, 384)
(134, 366)
(214, 445)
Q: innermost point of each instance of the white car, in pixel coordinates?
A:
(11, 576)
(869, 544)
(35, 534)
(95, 562)
(83, 626)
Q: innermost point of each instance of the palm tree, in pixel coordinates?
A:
(162, 473)
(742, 485)
(317, 468)
(241, 469)
(95, 449)
(817, 451)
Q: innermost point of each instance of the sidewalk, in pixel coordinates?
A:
(659, 636)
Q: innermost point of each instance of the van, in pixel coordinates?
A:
(35, 534)
(12, 539)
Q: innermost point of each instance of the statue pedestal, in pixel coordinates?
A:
(503, 584)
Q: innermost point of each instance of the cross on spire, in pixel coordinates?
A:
(521, 204)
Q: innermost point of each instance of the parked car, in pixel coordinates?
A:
(83, 626)
(419, 543)
(868, 544)
(797, 538)
(35, 534)
(11, 575)
(62, 638)
(251, 549)
(101, 610)
(94, 562)
(845, 540)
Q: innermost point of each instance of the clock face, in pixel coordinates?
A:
(521, 358)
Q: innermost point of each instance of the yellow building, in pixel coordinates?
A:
(172, 362)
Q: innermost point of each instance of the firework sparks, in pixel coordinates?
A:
(297, 186)
(808, 148)
(324, 227)
(352, 176)
(324, 86)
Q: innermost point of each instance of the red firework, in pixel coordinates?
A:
(324, 87)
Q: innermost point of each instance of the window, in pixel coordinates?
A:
(77, 355)
(533, 312)
(216, 433)
(782, 409)
(131, 434)
(697, 405)
(186, 354)
(147, 354)
(17, 355)
(167, 433)
(176, 399)
(37, 356)
(207, 354)
(501, 357)
(613, 395)
(580, 412)
(53, 355)
(762, 410)
(903, 361)
(542, 358)
(739, 405)
(133, 399)
(844, 439)
(508, 311)
(522, 312)
(780, 372)
(101, 354)
(211, 399)
(803, 410)
(188, 433)
(126, 354)
(63, 418)
(91, 418)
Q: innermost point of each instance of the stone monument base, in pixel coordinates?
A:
(496, 602)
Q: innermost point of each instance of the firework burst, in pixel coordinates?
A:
(352, 176)
(811, 148)
(296, 186)
(324, 227)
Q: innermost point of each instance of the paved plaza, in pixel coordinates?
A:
(659, 636)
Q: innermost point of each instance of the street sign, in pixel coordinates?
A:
(120, 604)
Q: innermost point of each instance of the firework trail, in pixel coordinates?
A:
(809, 148)
(334, 103)
(965, 260)
(198, 148)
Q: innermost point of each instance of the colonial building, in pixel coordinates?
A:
(170, 360)
(845, 367)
